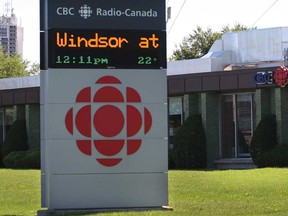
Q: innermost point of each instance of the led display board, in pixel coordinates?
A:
(133, 49)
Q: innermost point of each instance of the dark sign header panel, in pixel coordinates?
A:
(131, 49)
(107, 14)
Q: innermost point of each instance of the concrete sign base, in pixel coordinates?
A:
(97, 211)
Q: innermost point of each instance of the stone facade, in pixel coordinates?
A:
(281, 107)
(206, 104)
(210, 117)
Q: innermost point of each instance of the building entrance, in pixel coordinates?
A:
(237, 124)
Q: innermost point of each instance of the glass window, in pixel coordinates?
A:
(175, 117)
(244, 124)
(237, 117)
(7, 117)
(227, 126)
(175, 105)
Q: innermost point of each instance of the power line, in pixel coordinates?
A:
(268, 9)
(177, 16)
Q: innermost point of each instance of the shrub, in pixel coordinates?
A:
(1, 164)
(16, 138)
(277, 157)
(23, 160)
(171, 159)
(264, 137)
(190, 144)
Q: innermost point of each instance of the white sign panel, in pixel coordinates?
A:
(100, 125)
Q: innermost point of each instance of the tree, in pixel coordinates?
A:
(198, 44)
(32, 68)
(15, 66)
(236, 28)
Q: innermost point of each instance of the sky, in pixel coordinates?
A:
(186, 15)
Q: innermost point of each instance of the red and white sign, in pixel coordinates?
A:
(104, 126)
(108, 120)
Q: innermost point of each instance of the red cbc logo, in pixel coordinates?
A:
(108, 120)
(281, 76)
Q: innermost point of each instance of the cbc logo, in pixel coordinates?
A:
(279, 77)
(64, 11)
(264, 77)
(108, 121)
(84, 11)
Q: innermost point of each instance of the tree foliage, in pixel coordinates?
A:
(15, 66)
(200, 41)
(32, 68)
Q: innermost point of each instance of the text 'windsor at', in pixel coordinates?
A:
(70, 40)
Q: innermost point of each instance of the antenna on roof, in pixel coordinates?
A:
(8, 8)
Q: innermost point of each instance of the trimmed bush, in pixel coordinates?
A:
(277, 157)
(1, 163)
(264, 137)
(23, 160)
(171, 159)
(16, 138)
(190, 144)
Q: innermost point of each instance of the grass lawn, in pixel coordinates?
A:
(211, 193)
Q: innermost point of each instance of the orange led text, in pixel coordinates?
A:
(66, 39)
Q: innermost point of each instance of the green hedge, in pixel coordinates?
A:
(264, 138)
(1, 163)
(16, 138)
(23, 160)
(190, 144)
(276, 157)
(171, 159)
(264, 148)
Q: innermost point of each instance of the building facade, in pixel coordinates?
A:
(20, 99)
(231, 105)
(11, 35)
(233, 87)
